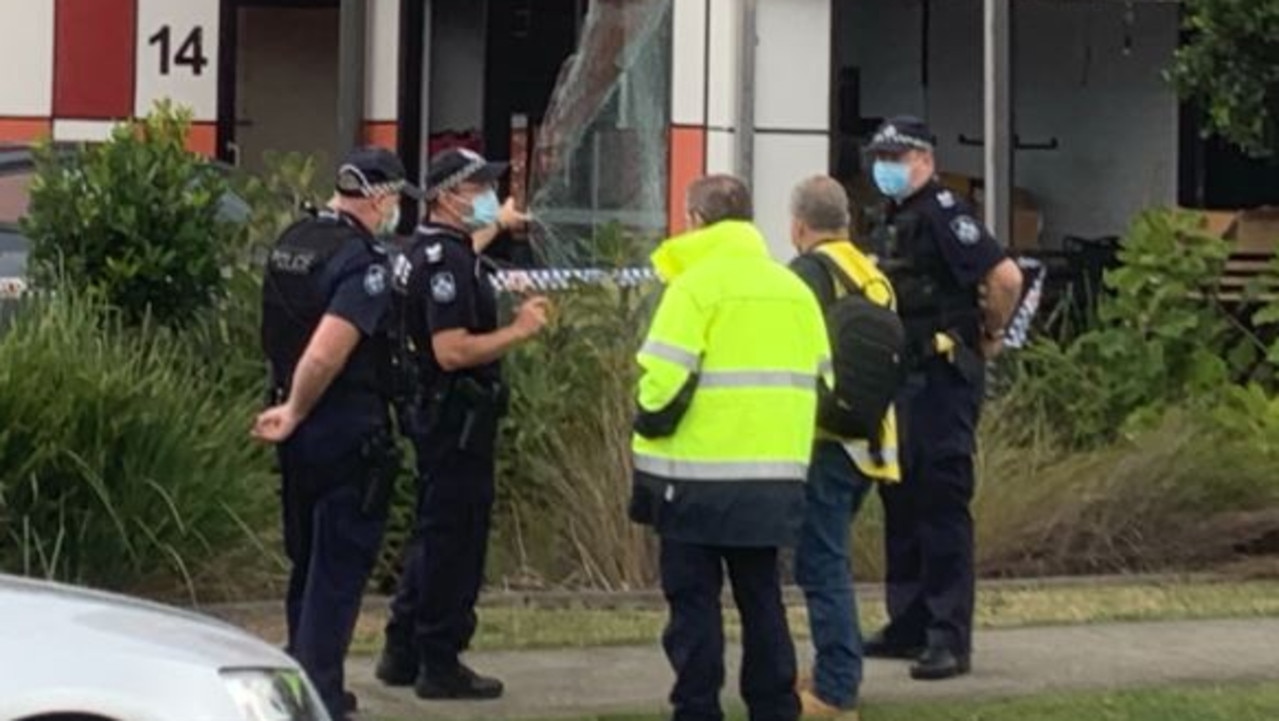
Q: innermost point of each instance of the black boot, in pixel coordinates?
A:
(939, 664)
(878, 646)
(461, 684)
(398, 665)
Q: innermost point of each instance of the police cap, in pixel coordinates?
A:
(371, 171)
(451, 168)
(900, 134)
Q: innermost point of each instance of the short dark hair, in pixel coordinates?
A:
(720, 197)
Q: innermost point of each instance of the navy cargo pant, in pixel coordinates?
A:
(332, 542)
(928, 522)
(693, 579)
(434, 606)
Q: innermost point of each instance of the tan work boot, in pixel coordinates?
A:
(810, 706)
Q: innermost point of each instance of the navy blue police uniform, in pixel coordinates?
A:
(339, 463)
(453, 428)
(937, 254)
(333, 464)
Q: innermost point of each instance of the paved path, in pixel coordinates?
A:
(579, 683)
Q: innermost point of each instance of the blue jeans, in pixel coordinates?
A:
(823, 568)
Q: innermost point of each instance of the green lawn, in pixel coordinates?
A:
(507, 628)
(1215, 703)
(521, 628)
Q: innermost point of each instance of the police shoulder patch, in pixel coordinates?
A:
(375, 280)
(434, 253)
(966, 229)
(443, 287)
(946, 199)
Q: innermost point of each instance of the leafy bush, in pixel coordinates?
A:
(135, 219)
(1160, 337)
(123, 463)
(1227, 64)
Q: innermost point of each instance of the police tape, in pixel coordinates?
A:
(551, 280)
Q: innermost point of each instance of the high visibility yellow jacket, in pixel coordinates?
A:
(728, 393)
(876, 287)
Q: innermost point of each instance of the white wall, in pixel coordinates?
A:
(457, 65)
(1113, 114)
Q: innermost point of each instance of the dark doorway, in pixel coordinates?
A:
(528, 42)
(1216, 175)
(278, 79)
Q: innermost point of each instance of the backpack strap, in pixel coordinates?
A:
(832, 266)
(837, 271)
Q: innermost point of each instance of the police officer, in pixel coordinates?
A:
(450, 318)
(326, 298)
(956, 292)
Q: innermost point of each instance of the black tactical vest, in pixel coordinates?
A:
(929, 298)
(295, 297)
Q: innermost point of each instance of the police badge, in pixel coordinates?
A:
(443, 287)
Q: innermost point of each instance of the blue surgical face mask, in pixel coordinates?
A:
(892, 178)
(484, 211)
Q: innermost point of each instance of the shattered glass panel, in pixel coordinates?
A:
(599, 167)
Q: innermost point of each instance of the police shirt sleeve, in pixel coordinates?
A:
(450, 288)
(969, 248)
(362, 296)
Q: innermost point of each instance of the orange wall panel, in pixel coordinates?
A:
(687, 163)
(24, 130)
(384, 135)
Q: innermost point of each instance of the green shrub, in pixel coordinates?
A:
(1160, 337)
(123, 463)
(135, 219)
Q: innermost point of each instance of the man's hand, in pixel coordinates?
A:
(510, 219)
(531, 317)
(275, 425)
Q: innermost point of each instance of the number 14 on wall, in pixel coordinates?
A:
(190, 53)
(177, 55)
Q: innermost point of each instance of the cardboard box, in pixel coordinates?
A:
(1258, 230)
(1027, 223)
(1252, 231)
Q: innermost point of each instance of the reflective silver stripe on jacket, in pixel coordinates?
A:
(721, 470)
(825, 367)
(674, 354)
(860, 454)
(757, 379)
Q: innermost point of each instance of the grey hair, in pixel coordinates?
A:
(720, 197)
(821, 203)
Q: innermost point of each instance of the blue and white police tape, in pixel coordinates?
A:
(549, 280)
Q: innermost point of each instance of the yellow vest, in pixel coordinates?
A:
(754, 334)
(877, 289)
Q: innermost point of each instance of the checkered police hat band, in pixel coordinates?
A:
(893, 136)
(457, 178)
(353, 181)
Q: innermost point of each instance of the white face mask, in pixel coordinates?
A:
(391, 222)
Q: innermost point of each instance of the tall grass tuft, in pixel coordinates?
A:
(122, 463)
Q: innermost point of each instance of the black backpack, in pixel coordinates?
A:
(868, 342)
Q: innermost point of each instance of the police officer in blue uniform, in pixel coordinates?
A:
(326, 302)
(956, 291)
(449, 316)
